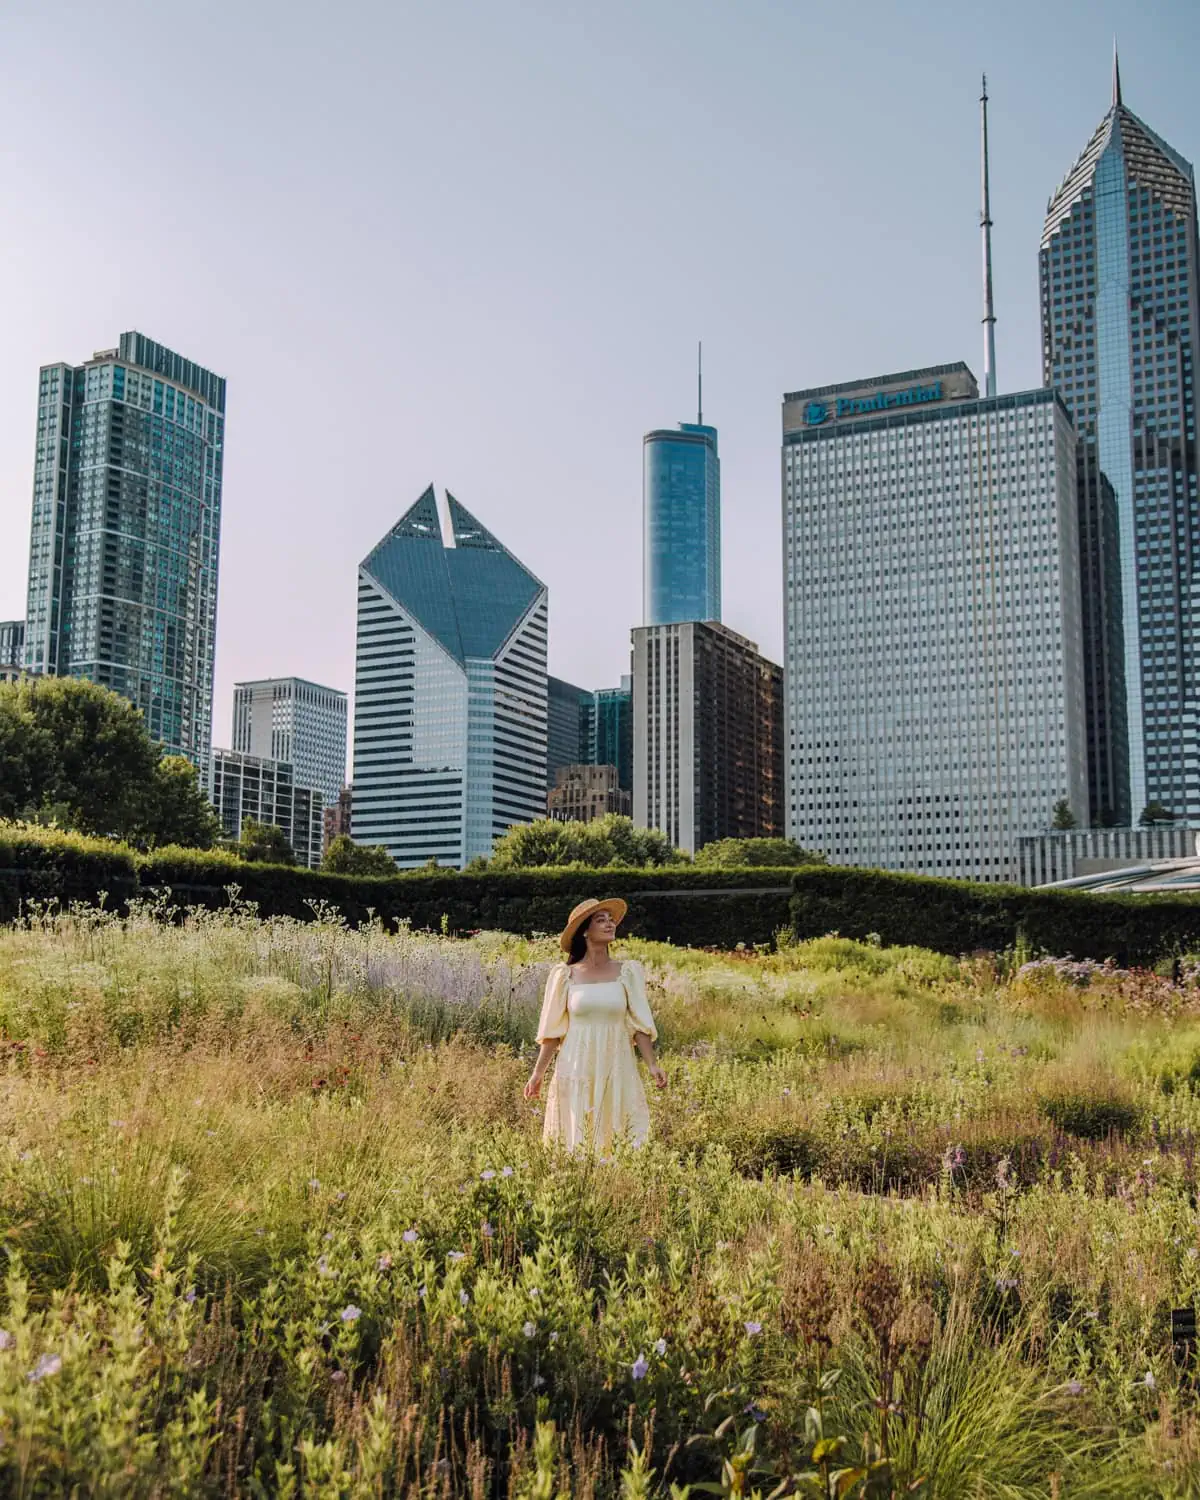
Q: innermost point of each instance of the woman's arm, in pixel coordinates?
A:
(545, 1053)
(641, 1040)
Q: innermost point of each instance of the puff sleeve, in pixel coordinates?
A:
(552, 1023)
(637, 1007)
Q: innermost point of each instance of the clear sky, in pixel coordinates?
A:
(475, 243)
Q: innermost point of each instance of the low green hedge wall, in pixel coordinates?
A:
(960, 916)
(683, 905)
(47, 866)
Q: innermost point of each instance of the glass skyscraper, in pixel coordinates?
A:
(681, 517)
(126, 530)
(566, 726)
(1120, 329)
(450, 691)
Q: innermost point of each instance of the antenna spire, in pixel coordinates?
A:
(700, 385)
(985, 224)
(1116, 75)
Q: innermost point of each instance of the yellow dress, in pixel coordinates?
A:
(596, 1093)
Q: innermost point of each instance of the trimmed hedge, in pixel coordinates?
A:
(683, 905)
(959, 916)
(49, 866)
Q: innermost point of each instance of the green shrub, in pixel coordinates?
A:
(960, 916)
(1091, 1116)
(699, 908)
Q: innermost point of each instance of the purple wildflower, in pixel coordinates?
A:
(410, 1236)
(49, 1364)
(639, 1368)
(752, 1328)
(350, 1313)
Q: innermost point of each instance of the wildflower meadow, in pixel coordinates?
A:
(277, 1221)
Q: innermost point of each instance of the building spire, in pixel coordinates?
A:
(1116, 75)
(985, 224)
(700, 385)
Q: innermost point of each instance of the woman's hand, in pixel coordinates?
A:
(534, 1087)
(658, 1073)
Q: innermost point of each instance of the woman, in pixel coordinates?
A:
(596, 1010)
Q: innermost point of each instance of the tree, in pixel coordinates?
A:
(78, 754)
(1155, 812)
(610, 840)
(264, 844)
(180, 813)
(1063, 818)
(728, 854)
(345, 857)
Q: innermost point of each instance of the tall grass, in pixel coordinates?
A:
(276, 1220)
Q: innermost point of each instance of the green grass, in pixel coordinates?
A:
(278, 1221)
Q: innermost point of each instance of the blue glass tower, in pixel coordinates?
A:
(126, 533)
(450, 690)
(1120, 329)
(681, 516)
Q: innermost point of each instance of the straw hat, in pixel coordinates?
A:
(614, 906)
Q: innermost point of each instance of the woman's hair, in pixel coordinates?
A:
(578, 948)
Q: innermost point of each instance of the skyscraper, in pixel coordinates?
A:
(681, 517)
(257, 787)
(935, 702)
(566, 726)
(450, 690)
(126, 530)
(289, 719)
(12, 649)
(1120, 329)
(610, 731)
(707, 735)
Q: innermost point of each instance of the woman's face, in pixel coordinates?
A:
(602, 928)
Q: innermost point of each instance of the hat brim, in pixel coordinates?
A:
(613, 905)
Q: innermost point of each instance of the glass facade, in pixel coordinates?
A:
(12, 643)
(934, 677)
(610, 731)
(681, 517)
(254, 788)
(126, 531)
(450, 691)
(1120, 327)
(566, 726)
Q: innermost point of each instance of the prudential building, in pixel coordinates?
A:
(934, 694)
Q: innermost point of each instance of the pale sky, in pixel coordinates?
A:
(475, 243)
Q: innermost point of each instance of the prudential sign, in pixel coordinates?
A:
(817, 412)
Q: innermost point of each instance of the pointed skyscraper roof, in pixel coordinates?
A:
(1151, 162)
(470, 597)
(410, 564)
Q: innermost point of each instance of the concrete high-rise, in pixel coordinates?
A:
(681, 519)
(934, 673)
(707, 735)
(1120, 331)
(126, 533)
(289, 719)
(450, 691)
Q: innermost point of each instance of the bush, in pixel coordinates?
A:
(1089, 1115)
(959, 916)
(603, 843)
(697, 908)
(740, 854)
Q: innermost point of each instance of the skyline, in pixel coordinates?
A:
(552, 320)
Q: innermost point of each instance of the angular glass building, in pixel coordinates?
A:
(450, 691)
(126, 532)
(681, 519)
(1120, 327)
